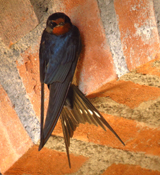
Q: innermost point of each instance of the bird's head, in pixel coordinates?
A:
(58, 24)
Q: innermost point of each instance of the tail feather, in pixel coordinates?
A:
(66, 137)
(79, 111)
(42, 115)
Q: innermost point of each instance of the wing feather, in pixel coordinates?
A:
(81, 111)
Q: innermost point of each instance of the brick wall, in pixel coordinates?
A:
(118, 69)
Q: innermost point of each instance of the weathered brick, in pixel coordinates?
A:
(128, 93)
(139, 34)
(14, 141)
(151, 68)
(128, 170)
(46, 161)
(17, 18)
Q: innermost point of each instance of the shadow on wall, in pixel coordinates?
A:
(40, 7)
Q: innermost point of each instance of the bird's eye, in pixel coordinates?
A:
(53, 24)
(61, 23)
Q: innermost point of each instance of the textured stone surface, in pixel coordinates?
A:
(146, 112)
(148, 74)
(151, 68)
(13, 85)
(109, 19)
(136, 136)
(14, 141)
(139, 34)
(129, 93)
(40, 7)
(101, 157)
(157, 13)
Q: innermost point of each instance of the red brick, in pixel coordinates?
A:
(95, 67)
(128, 170)
(14, 141)
(139, 35)
(29, 72)
(17, 18)
(150, 68)
(128, 93)
(46, 161)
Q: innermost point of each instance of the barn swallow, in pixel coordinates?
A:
(59, 51)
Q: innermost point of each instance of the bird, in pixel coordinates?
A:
(59, 51)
